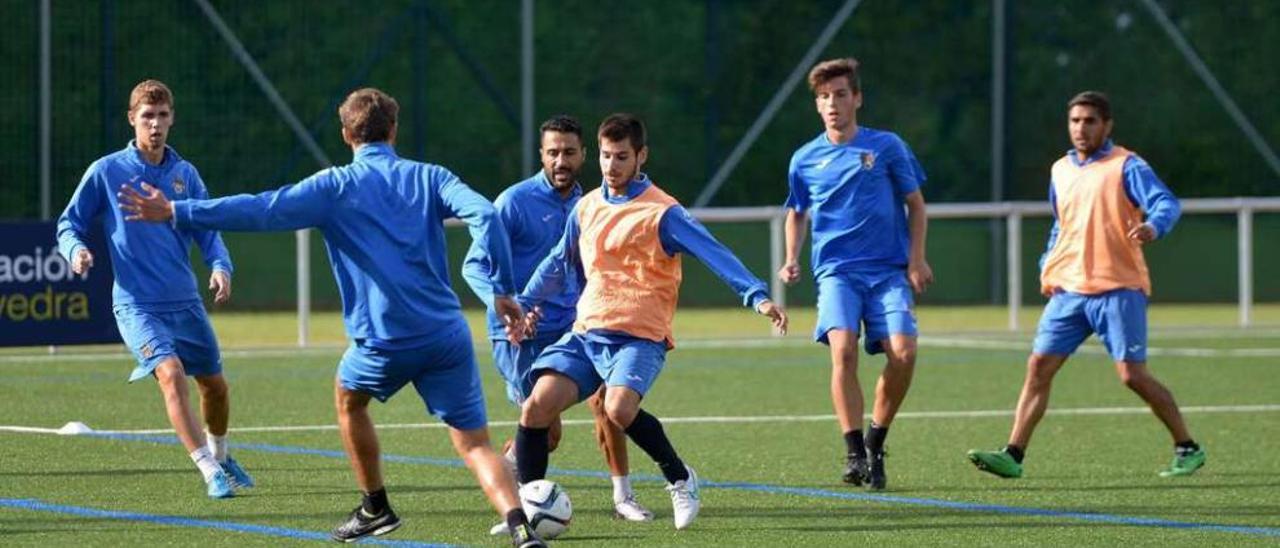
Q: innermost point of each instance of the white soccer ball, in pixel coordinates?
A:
(547, 507)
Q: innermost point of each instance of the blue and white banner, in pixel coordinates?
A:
(41, 301)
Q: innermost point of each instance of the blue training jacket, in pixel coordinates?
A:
(534, 214)
(150, 261)
(382, 220)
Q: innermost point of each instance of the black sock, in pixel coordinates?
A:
(1189, 446)
(853, 442)
(647, 432)
(376, 502)
(516, 518)
(1015, 452)
(531, 453)
(875, 439)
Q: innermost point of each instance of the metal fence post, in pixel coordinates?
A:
(1013, 254)
(1244, 262)
(303, 245)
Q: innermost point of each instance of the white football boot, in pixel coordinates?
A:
(631, 510)
(685, 500)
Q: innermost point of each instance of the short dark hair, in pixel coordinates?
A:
(1096, 99)
(619, 126)
(561, 123)
(369, 114)
(831, 69)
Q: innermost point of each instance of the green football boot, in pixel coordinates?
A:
(999, 463)
(1184, 464)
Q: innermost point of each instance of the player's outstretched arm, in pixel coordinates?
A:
(291, 207)
(681, 233)
(919, 273)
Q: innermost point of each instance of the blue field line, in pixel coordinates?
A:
(177, 521)
(772, 489)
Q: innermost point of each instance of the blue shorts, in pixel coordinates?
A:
(882, 304)
(1119, 318)
(634, 364)
(154, 334)
(443, 371)
(515, 364)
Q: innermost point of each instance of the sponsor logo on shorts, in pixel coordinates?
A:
(147, 351)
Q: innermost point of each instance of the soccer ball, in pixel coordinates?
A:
(547, 506)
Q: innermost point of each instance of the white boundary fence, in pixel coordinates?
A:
(1011, 212)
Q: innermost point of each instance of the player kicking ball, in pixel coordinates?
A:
(534, 212)
(622, 245)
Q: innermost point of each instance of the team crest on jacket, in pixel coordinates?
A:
(868, 160)
(179, 187)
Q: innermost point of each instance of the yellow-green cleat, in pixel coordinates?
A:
(1185, 464)
(999, 463)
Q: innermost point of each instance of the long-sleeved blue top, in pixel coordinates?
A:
(150, 261)
(1144, 189)
(678, 232)
(382, 220)
(534, 214)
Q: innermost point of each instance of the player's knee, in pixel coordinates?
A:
(621, 412)
(169, 374)
(536, 412)
(212, 388)
(349, 403)
(905, 356)
(1133, 378)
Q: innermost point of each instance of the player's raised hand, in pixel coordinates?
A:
(920, 275)
(149, 205)
(82, 261)
(220, 285)
(1143, 233)
(775, 313)
(790, 272)
(512, 316)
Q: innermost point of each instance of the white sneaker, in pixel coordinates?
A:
(631, 510)
(684, 499)
(500, 529)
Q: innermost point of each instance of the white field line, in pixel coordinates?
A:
(974, 343)
(1264, 408)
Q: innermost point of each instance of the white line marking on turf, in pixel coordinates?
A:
(984, 341)
(726, 419)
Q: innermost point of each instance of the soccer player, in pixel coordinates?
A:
(154, 298)
(1107, 203)
(868, 257)
(382, 220)
(622, 246)
(534, 212)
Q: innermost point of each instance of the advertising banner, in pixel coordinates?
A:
(41, 301)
